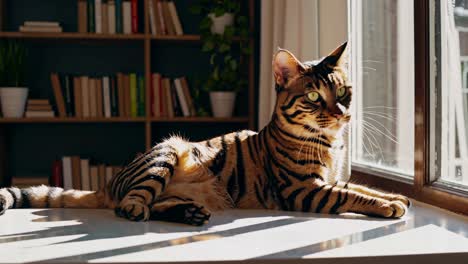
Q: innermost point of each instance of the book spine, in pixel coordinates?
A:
(111, 16)
(76, 172)
(152, 92)
(78, 93)
(106, 96)
(85, 184)
(134, 16)
(114, 97)
(105, 17)
(94, 177)
(85, 95)
(188, 96)
(141, 96)
(162, 97)
(82, 16)
(100, 104)
(102, 175)
(152, 17)
(133, 95)
(167, 18)
(118, 17)
(92, 97)
(57, 171)
(68, 95)
(58, 94)
(121, 94)
(91, 17)
(67, 173)
(182, 100)
(175, 18)
(98, 15)
(109, 173)
(127, 17)
(161, 17)
(169, 101)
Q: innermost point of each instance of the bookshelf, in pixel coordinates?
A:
(147, 54)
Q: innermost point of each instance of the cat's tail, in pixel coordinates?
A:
(51, 197)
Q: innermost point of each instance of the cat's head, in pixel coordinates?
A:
(312, 95)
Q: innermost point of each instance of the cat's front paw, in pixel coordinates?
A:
(394, 209)
(133, 210)
(405, 200)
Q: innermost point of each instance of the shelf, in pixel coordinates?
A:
(71, 120)
(202, 119)
(71, 35)
(120, 120)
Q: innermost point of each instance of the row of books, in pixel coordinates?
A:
(121, 95)
(108, 16)
(170, 97)
(41, 26)
(73, 172)
(163, 17)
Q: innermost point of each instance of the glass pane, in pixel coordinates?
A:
(382, 66)
(450, 95)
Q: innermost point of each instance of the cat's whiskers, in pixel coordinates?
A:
(390, 134)
(375, 129)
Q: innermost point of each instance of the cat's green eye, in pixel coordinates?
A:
(313, 96)
(340, 92)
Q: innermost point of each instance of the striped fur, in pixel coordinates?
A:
(294, 163)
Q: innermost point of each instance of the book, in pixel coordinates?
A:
(39, 114)
(102, 175)
(68, 94)
(162, 97)
(82, 16)
(92, 97)
(99, 97)
(181, 97)
(134, 12)
(159, 15)
(109, 174)
(40, 29)
(121, 93)
(98, 16)
(57, 177)
(106, 96)
(188, 96)
(91, 16)
(133, 95)
(24, 182)
(59, 100)
(175, 100)
(78, 96)
(67, 173)
(33, 108)
(167, 18)
(152, 17)
(127, 17)
(94, 177)
(111, 16)
(38, 102)
(85, 95)
(114, 97)
(141, 96)
(175, 18)
(118, 16)
(85, 183)
(41, 24)
(128, 105)
(168, 95)
(151, 95)
(76, 172)
(105, 17)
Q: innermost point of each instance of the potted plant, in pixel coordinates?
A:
(13, 93)
(228, 76)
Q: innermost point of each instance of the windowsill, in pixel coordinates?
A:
(78, 235)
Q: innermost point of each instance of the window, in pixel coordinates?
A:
(382, 73)
(409, 68)
(450, 93)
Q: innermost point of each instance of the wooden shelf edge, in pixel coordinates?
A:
(71, 35)
(202, 119)
(70, 120)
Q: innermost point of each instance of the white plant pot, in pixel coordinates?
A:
(221, 22)
(222, 103)
(13, 101)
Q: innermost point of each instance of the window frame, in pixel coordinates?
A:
(421, 188)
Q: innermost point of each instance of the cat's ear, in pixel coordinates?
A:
(285, 66)
(337, 57)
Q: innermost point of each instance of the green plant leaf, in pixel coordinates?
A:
(224, 48)
(208, 46)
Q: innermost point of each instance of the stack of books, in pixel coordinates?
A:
(108, 16)
(73, 172)
(163, 18)
(120, 95)
(39, 108)
(170, 97)
(41, 26)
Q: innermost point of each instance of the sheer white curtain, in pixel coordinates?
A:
(308, 28)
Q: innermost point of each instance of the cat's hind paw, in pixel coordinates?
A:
(133, 210)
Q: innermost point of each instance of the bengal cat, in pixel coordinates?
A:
(294, 163)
